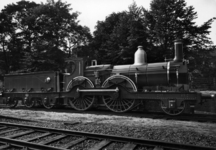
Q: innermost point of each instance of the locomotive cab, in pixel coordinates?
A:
(74, 67)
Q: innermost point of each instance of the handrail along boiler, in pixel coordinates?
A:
(120, 87)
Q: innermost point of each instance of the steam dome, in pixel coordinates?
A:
(140, 56)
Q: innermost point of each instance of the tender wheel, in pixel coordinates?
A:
(12, 102)
(173, 111)
(29, 103)
(81, 103)
(48, 102)
(119, 105)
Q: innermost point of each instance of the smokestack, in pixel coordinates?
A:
(178, 51)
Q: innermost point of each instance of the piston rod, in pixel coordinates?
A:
(98, 90)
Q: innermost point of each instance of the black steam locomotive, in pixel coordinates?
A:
(120, 88)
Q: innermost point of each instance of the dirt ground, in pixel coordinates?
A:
(203, 128)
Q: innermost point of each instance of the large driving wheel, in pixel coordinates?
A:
(119, 104)
(85, 102)
(29, 102)
(173, 110)
(12, 102)
(48, 102)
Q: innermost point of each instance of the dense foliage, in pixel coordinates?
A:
(37, 37)
(168, 20)
(116, 38)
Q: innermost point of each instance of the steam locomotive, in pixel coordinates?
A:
(119, 88)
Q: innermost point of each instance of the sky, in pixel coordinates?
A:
(97, 10)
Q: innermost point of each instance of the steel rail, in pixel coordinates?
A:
(20, 143)
(141, 142)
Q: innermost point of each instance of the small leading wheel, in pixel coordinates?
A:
(29, 102)
(82, 103)
(119, 104)
(170, 110)
(12, 102)
(48, 102)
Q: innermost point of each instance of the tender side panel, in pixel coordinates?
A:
(31, 82)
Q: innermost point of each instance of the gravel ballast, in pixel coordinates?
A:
(185, 132)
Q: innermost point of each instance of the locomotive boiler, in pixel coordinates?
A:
(120, 88)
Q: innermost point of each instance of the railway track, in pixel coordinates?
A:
(19, 136)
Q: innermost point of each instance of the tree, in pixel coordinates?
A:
(80, 37)
(37, 37)
(168, 20)
(116, 39)
(103, 42)
(12, 38)
(53, 22)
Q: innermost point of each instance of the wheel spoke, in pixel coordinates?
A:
(73, 101)
(116, 105)
(90, 100)
(127, 103)
(109, 101)
(112, 104)
(123, 105)
(86, 103)
(82, 104)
